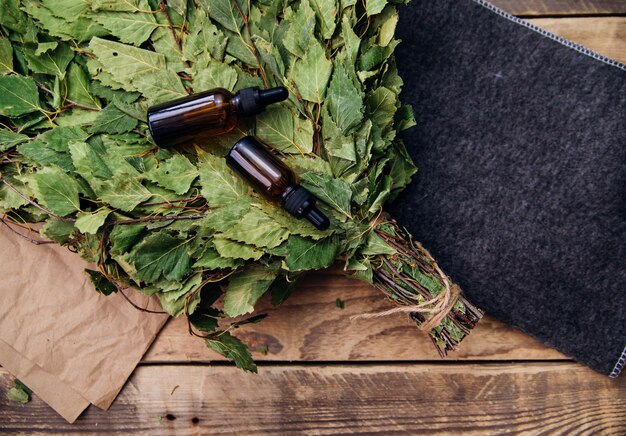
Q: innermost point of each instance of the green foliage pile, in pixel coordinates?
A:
(76, 77)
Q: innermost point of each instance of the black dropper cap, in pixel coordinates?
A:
(318, 219)
(252, 101)
(299, 202)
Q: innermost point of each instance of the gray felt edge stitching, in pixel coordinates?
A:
(619, 365)
(566, 42)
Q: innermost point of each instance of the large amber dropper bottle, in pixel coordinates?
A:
(198, 117)
(272, 178)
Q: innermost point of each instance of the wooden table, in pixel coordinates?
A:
(321, 373)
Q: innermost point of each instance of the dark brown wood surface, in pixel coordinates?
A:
(490, 398)
(562, 7)
(310, 327)
(321, 373)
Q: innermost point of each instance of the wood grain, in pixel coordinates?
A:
(489, 398)
(606, 36)
(310, 327)
(561, 7)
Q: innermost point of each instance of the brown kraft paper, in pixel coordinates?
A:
(71, 345)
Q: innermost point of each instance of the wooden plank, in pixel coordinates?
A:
(494, 398)
(561, 7)
(310, 327)
(606, 36)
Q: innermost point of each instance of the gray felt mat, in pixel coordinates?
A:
(521, 144)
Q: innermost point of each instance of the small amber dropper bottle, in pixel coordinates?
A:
(272, 178)
(198, 117)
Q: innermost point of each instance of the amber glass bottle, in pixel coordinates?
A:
(196, 118)
(272, 178)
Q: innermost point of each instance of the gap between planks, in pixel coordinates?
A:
(494, 398)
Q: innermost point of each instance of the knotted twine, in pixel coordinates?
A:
(438, 307)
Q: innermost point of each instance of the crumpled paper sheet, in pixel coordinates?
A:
(71, 345)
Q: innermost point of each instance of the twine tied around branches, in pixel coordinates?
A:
(438, 307)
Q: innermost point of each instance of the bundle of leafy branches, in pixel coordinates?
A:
(76, 77)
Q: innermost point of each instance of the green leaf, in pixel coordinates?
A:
(220, 186)
(293, 225)
(216, 75)
(380, 194)
(53, 62)
(43, 47)
(388, 28)
(161, 255)
(240, 49)
(59, 137)
(376, 245)
(9, 139)
(70, 19)
(100, 283)
(57, 230)
(271, 59)
(258, 229)
(204, 41)
(226, 13)
(203, 322)
(236, 250)
(176, 174)
(222, 219)
(6, 56)
(88, 222)
(212, 260)
(137, 110)
(124, 237)
(123, 191)
(13, 18)
(18, 393)
(130, 27)
(66, 9)
(88, 162)
(55, 190)
(115, 5)
(335, 192)
(382, 104)
(174, 301)
(9, 199)
(246, 287)
(312, 72)
(113, 120)
(18, 96)
(233, 349)
(180, 6)
(345, 101)
(405, 118)
(160, 86)
(276, 127)
(78, 86)
(129, 66)
(51, 147)
(351, 40)
(300, 32)
(306, 254)
(326, 11)
(373, 7)
(282, 288)
(164, 41)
